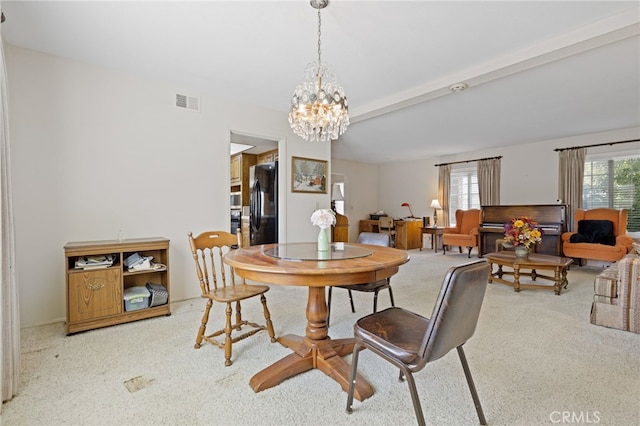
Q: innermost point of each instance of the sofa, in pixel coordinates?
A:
(601, 235)
(616, 302)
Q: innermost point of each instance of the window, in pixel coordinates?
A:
(613, 182)
(464, 194)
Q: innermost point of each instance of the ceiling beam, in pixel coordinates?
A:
(611, 30)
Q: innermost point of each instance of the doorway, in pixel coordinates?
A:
(338, 193)
(245, 152)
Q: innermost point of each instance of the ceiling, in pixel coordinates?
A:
(535, 70)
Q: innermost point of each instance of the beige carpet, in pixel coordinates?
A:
(535, 359)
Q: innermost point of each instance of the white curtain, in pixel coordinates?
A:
(444, 189)
(489, 182)
(9, 308)
(570, 181)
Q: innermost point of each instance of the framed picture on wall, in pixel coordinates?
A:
(308, 175)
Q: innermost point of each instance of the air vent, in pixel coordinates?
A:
(188, 102)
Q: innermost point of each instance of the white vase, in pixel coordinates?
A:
(522, 252)
(323, 240)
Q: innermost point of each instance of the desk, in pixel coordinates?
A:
(316, 349)
(436, 237)
(534, 262)
(408, 235)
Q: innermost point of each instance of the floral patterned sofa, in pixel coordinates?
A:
(616, 302)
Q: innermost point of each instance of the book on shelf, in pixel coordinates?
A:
(94, 262)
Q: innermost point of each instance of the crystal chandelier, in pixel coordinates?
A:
(319, 110)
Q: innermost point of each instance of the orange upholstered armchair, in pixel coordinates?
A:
(465, 233)
(601, 235)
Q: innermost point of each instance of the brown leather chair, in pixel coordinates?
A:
(591, 243)
(377, 239)
(465, 233)
(218, 283)
(410, 341)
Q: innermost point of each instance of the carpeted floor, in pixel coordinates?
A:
(535, 359)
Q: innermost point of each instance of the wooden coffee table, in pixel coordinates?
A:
(534, 263)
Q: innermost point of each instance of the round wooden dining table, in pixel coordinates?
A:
(300, 264)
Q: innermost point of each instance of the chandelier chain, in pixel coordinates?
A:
(319, 33)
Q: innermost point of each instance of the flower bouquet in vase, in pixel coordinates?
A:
(522, 233)
(323, 218)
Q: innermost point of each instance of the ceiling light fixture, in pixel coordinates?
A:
(319, 110)
(459, 87)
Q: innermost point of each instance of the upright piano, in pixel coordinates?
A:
(551, 217)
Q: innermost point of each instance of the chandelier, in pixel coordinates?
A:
(319, 110)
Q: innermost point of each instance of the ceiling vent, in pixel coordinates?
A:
(188, 102)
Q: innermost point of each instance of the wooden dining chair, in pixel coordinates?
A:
(377, 239)
(386, 225)
(218, 284)
(410, 341)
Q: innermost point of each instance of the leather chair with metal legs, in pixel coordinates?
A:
(410, 341)
(377, 239)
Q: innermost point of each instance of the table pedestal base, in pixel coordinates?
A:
(325, 355)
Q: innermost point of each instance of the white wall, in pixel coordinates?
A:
(529, 175)
(94, 151)
(361, 191)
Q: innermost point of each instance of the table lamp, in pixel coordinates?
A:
(336, 195)
(410, 211)
(435, 205)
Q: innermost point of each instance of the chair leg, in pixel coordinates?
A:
(472, 388)
(267, 317)
(414, 398)
(238, 316)
(227, 340)
(460, 249)
(353, 309)
(203, 324)
(375, 299)
(354, 372)
(470, 252)
(329, 305)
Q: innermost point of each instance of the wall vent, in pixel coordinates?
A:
(188, 102)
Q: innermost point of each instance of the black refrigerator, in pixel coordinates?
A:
(263, 203)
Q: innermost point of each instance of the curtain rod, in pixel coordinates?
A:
(468, 161)
(597, 144)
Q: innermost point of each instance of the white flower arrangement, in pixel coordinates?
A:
(324, 218)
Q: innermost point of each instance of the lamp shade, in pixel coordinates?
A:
(435, 204)
(336, 193)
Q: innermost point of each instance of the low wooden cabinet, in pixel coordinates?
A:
(408, 232)
(95, 296)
